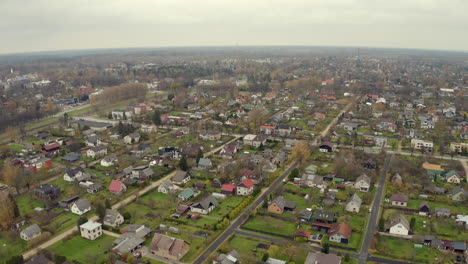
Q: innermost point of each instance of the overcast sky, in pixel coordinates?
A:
(40, 25)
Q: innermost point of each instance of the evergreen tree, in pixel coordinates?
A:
(81, 221)
(199, 155)
(157, 118)
(326, 248)
(183, 164)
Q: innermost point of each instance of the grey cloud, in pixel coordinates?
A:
(31, 25)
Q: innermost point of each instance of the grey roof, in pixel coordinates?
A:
(179, 176)
(442, 210)
(459, 245)
(128, 244)
(92, 124)
(134, 135)
(364, 177)
(206, 202)
(398, 219)
(82, 204)
(321, 258)
(323, 215)
(305, 214)
(40, 259)
(111, 215)
(204, 162)
(356, 199)
(99, 148)
(31, 230)
(73, 172)
(282, 203)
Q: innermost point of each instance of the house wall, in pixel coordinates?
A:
(352, 207)
(244, 191)
(91, 234)
(398, 229)
(395, 203)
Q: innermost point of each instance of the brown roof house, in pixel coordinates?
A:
(340, 233)
(169, 247)
(279, 205)
(399, 199)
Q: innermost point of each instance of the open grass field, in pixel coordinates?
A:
(272, 225)
(10, 245)
(405, 250)
(84, 250)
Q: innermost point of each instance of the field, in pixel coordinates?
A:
(271, 225)
(83, 250)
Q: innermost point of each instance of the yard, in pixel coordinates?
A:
(271, 225)
(404, 249)
(10, 245)
(84, 250)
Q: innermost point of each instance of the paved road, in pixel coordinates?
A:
(324, 132)
(460, 158)
(242, 218)
(372, 223)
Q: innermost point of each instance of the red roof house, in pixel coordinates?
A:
(117, 187)
(228, 189)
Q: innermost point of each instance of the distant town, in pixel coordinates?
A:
(281, 155)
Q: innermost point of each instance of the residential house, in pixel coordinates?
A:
(117, 187)
(80, 206)
(284, 130)
(279, 205)
(399, 199)
(398, 225)
(191, 150)
(122, 114)
(132, 138)
(75, 175)
(186, 194)
(397, 179)
(312, 180)
(47, 192)
(304, 215)
(168, 187)
(280, 158)
(230, 149)
(458, 194)
(30, 232)
(168, 247)
(321, 258)
(93, 141)
(228, 189)
(453, 177)
(340, 233)
(350, 126)
(205, 205)
(458, 147)
(205, 164)
(40, 259)
(113, 218)
(311, 169)
(267, 130)
(353, 204)
(319, 116)
(143, 172)
(252, 175)
(172, 153)
(109, 161)
(91, 230)
(181, 177)
(424, 208)
(323, 216)
(442, 212)
(96, 152)
(380, 141)
(211, 135)
(362, 183)
(232, 257)
(326, 147)
(420, 144)
(246, 187)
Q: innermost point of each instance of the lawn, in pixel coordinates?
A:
(10, 245)
(26, 204)
(272, 225)
(404, 249)
(454, 209)
(84, 250)
(226, 206)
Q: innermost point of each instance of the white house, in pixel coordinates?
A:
(96, 152)
(132, 138)
(109, 161)
(422, 144)
(168, 187)
(90, 230)
(205, 205)
(362, 183)
(113, 218)
(353, 204)
(30, 232)
(81, 206)
(76, 174)
(245, 187)
(398, 226)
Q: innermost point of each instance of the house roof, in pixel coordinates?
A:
(187, 193)
(321, 258)
(364, 177)
(82, 204)
(356, 199)
(323, 215)
(31, 230)
(341, 228)
(90, 225)
(179, 176)
(399, 219)
(40, 259)
(247, 183)
(174, 246)
(399, 197)
(116, 186)
(206, 202)
(228, 187)
(282, 203)
(429, 166)
(111, 215)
